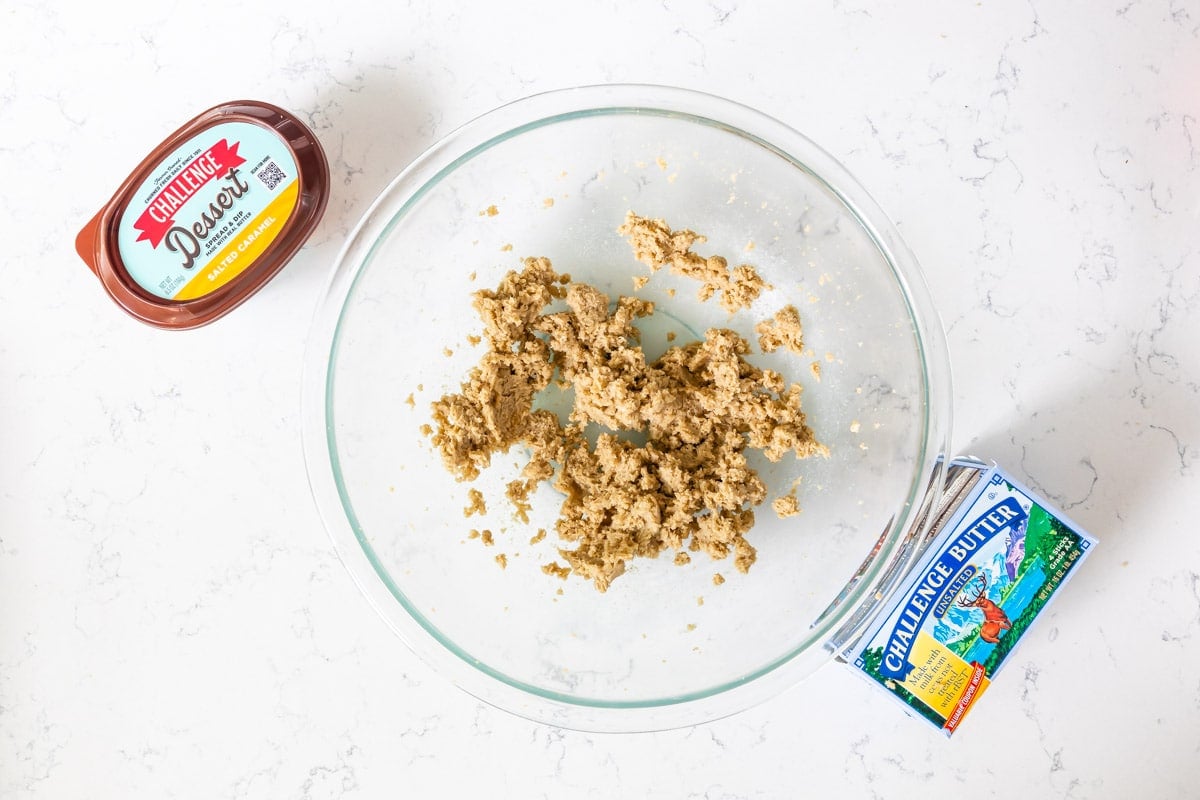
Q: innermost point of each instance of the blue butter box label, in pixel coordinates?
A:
(983, 580)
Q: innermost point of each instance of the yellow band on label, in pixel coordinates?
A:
(939, 675)
(243, 251)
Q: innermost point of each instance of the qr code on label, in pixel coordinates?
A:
(271, 175)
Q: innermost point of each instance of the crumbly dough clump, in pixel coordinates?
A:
(783, 330)
(476, 503)
(786, 506)
(700, 406)
(655, 244)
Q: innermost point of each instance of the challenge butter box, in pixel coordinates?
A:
(991, 570)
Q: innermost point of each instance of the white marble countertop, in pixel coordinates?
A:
(174, 621)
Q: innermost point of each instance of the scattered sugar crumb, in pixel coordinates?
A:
(447, 352)
(537, 537)
(749, 246)
(477, 504)
(485, 536)
(824, 279)
(855, 426)
(670, 336)
(506, 248)
(427, 429)
(557, 570)
(411, 402)
(474, 340)
(640, 281)
(830, 357)
(490, 211)
(863, 446)
(559, 591)
(815, 369)
(812, 298)
(682, 558)
(670, 292)
(502, 560)
(700, 600)
(718, 579)
(420, 387)
(473, 534)
(858, 390)
(392, 489)
(472, 276)
(548, 202)
(662, 163)
(691, 626)
(674, 176)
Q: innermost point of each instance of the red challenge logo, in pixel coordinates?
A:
(159, 216)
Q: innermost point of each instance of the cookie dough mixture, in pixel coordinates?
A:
(699, 406)
(655, 245)
(782, 330)
(787, 505)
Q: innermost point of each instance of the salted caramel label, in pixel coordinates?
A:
(208, 211)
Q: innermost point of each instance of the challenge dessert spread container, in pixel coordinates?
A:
(211, 215)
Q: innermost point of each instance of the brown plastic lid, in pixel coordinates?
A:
(211, 215)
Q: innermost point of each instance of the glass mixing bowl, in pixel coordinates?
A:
(554, 175)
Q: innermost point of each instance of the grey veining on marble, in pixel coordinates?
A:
(173, 621)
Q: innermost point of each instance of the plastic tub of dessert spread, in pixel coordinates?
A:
(209, 216)
(627, 471)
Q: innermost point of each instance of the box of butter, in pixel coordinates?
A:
(991, 569)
